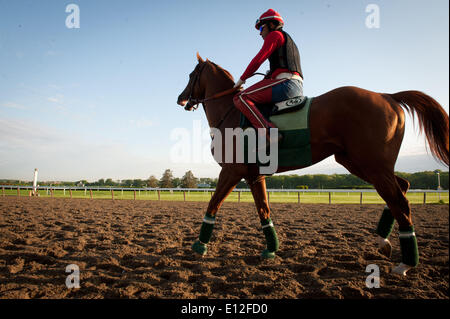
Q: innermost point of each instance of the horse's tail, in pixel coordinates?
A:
(432, 119)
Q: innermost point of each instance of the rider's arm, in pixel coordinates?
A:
(273, 41)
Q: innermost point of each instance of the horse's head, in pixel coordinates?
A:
(194, 90)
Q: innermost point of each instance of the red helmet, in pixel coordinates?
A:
(269, 15)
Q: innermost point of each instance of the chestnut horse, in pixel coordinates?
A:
(362, 129)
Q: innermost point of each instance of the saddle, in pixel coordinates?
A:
(268, 110)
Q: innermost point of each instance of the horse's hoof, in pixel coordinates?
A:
(401, 269)
(385, 248)
(268, 254)
(200, 248)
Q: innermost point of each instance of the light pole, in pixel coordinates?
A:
(35, 182)
(439, 183)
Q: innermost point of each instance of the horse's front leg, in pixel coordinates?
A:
(228, 179)
(258, 187)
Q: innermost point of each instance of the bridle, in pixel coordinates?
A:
(192, 103)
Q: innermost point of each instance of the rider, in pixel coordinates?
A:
(283, 81)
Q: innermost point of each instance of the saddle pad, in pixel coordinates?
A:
(293, 120)
(294, 150)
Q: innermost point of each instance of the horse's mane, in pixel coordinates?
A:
(219, 68)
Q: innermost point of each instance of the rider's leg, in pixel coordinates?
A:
(259, 93)
(287, 90)
(264, 92)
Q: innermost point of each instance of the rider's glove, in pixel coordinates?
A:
(239, 83)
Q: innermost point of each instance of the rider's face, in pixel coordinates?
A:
(264, 32)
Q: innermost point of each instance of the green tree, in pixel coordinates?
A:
(109, 182)
(152, 181)
(176, 182)
(127, 183)
(208, 181)
(138, 183)
(189, 180)
(166, 179)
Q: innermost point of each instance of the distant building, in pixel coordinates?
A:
(203, 185)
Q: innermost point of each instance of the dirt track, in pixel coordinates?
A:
(141, 249)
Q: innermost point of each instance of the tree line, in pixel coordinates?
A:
(420, 180)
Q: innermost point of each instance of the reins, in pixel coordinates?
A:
(213, 97)
(192, 103)
(226, 92)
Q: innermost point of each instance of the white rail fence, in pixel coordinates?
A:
(50, 191)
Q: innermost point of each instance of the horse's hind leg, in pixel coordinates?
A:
(393, 189)
(403, 183)
(386, 222)
(258, 187)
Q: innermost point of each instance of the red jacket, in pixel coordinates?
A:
(273, 41)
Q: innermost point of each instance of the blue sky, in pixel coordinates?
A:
(100, 101)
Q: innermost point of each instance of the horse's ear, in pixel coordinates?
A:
(199, 58)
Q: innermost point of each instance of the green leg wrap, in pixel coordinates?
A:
(386, 223)
(408, 244)
(205, 235)
(271, 235)
(207, 228)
